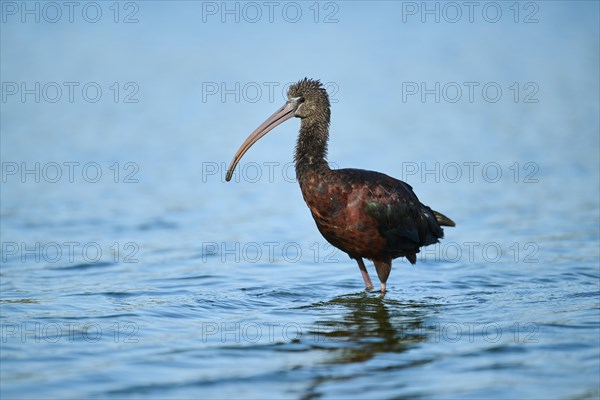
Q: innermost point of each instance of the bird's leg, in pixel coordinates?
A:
(383, 271)
(365, 274)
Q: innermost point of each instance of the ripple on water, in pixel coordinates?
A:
(85, 266)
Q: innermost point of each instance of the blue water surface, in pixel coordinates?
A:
(131, 269)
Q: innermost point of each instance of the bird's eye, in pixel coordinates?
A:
(301, 100)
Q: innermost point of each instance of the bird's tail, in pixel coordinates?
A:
(442, 219)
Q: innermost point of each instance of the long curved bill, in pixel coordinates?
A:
(284, 113)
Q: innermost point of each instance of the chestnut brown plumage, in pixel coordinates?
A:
(363, 213)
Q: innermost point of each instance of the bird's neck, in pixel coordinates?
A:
(311, 148)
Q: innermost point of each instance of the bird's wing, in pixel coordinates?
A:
(402, 219)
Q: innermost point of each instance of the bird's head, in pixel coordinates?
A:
(310, 100)
(307, 100)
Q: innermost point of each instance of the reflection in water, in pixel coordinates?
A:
(362, 327)
(370, 326)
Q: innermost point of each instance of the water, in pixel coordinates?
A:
(156, 279)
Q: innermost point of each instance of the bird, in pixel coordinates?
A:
(366, 214)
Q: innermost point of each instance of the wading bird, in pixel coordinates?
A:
(363, 213)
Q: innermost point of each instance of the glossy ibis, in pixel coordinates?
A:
(363, 213)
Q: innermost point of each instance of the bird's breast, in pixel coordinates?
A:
(338, 209)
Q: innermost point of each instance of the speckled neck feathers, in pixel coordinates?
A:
(311, 146)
